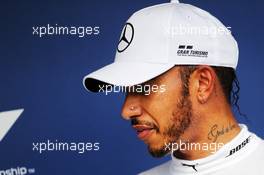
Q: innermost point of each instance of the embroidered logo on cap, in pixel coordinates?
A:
(126, 37)
(184, 50)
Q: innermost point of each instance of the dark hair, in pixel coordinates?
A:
(227, 78)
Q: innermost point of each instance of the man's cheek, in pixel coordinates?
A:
(157, 139)
(164, 125)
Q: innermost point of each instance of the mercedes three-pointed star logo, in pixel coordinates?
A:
(126, 37)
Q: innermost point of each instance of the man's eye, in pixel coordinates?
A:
(139, 90)
(143, 92)
(146, 90)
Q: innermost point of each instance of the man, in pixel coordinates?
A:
(177, 64)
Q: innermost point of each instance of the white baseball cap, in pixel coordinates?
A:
(158, 37)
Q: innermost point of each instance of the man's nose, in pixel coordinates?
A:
(131, 107)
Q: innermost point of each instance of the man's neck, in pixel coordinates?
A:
(218, 132)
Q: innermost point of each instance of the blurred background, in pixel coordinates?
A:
(44, 75)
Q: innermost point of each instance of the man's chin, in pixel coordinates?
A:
(158, 152)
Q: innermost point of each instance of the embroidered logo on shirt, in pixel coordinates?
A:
(193, 166)
(239, 147)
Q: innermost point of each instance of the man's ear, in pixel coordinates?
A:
(205, 78)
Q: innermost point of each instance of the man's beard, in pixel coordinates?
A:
(180, 121)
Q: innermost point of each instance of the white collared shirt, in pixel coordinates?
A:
(243, 155)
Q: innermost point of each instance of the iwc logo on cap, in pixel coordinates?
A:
(126, 37)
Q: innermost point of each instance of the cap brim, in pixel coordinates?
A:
(124, 74)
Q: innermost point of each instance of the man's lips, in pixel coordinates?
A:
(143, 131)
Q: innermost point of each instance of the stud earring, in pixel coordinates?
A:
(132, 108)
